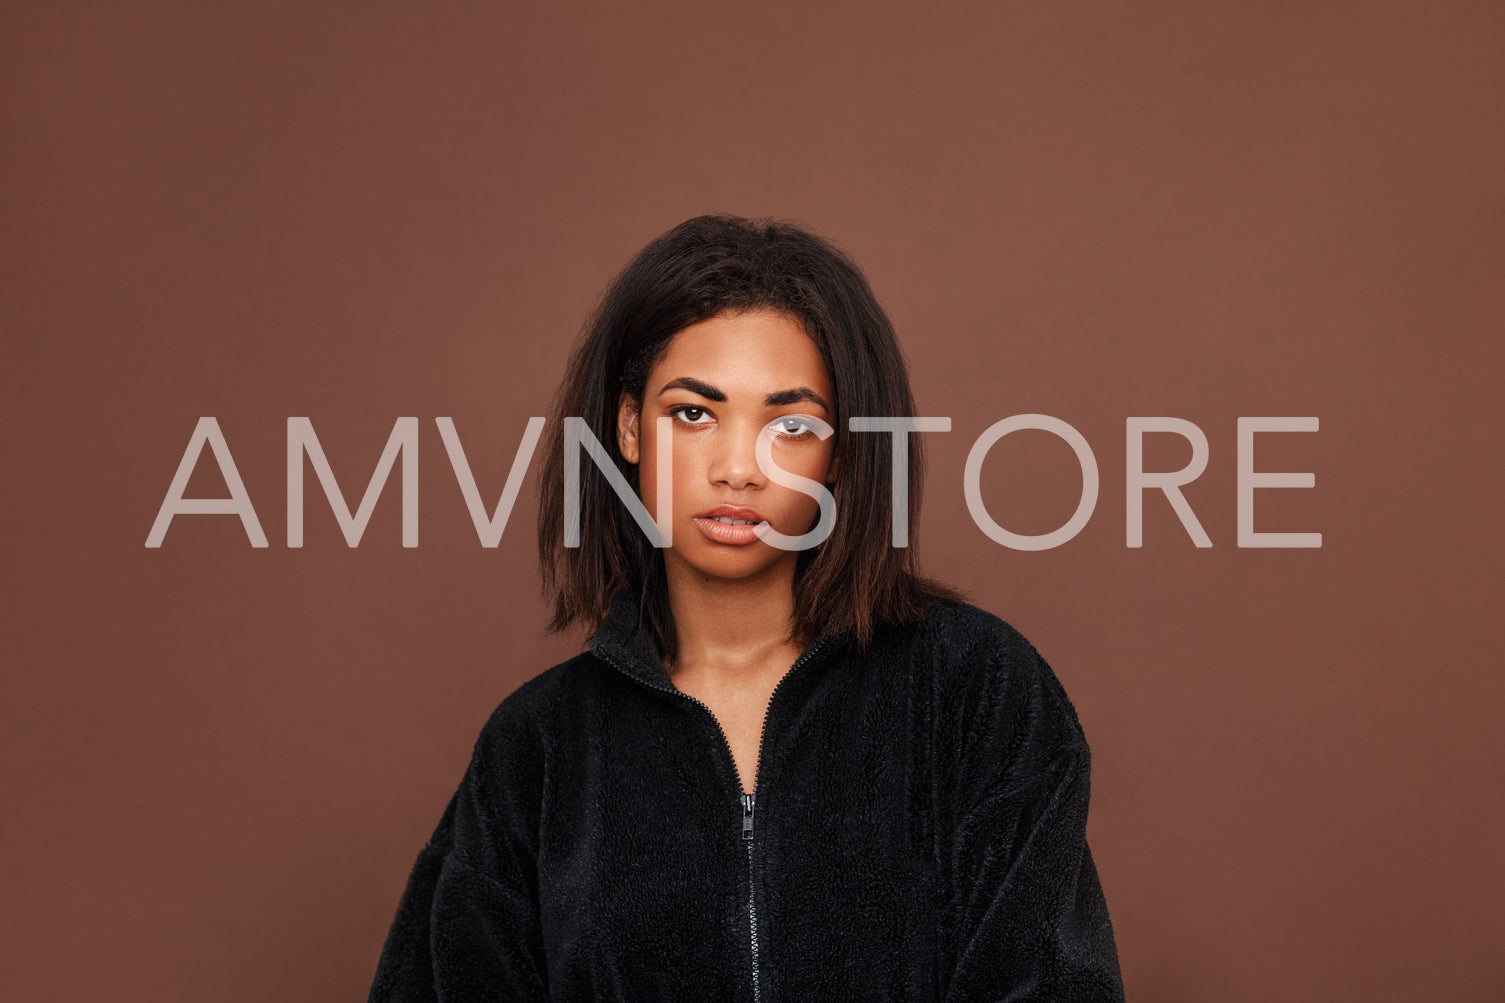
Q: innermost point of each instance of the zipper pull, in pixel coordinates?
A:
(747, 816)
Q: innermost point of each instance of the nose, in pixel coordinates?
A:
(734, 459)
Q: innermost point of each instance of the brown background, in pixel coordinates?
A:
(219, 762)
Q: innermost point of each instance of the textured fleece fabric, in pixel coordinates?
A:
(917, 832)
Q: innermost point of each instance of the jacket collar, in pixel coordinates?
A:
(623, 640)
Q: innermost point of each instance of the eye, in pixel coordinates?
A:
(690, 414)
(794, 427)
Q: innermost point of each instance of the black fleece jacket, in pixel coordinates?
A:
(917, 832)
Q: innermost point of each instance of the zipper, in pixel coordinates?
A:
(752, 911)
(747, 800)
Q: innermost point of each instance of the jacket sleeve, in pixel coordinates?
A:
(1030, 921)
(467, 926)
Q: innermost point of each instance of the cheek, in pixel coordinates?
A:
(683, 471)
(807, 462)
(812, 464)
(648, 474)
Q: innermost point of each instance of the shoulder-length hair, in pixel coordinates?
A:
(703, 267)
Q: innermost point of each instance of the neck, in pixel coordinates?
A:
(730, 627)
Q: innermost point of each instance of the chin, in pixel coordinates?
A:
(729, 570)
(744, 563)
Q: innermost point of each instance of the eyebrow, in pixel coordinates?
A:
(776, 399)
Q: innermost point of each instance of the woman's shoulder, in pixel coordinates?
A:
(981, 666)
(533, 710)
(958, 634)
(961, 621)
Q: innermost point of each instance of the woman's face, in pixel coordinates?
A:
(722, 382)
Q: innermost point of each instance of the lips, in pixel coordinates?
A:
(730, 524)
(732, 514)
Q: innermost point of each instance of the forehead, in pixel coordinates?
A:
(754, 351)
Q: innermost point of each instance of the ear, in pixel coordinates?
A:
(627, 427)
(833, 470)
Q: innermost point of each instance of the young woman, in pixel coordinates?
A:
(789, 767)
